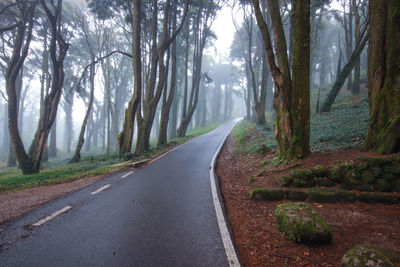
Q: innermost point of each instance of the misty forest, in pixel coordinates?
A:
(303, 93)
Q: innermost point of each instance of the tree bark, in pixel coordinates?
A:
(126, 136)
(344, 73)
(356, 81)
(291, 105)
(383, 77)
(81, 139)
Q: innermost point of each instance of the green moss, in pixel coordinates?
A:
(251, 180)
(367, 177)
(378, 198)
(301, 223)
(303, 183)
(367, 255)
(301, 174)
(292, 194)
(336, 174)
(383, 185)
(348, 166)
(377, 162)
(324, 182)
(327, 195)
(284, 181)
(319, 171)
(266, 194)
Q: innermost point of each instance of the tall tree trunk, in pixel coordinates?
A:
(81, 139)
(291, 105)
(53, 140)
(126, 136)
(344, 73)
(167, 103)
(356, 82)
(383, 77)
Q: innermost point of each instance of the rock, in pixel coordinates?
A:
(319, 171)
(324, 182)
(377, 172)
(367, 177)
(326, 195)
(383, 185)
(396, 185)
(336, 174)
(367, 255)
(284, 181)
(365, 188)
(301, 174)
(308, 182)
(301, 223)
(348, 166)
(378, 198)
(266, 194)
(291, 194)
(377, 162)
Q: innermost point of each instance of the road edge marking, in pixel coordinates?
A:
(230, 251)
(100, 189)
(51, 216)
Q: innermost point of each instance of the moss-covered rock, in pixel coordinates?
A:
(319, 171)
(336, 174)
(367, 255)
(324, 182)
(266, 194)
(396, 185)
(292, 194)
(301, 174)
(363, 166)
(284, 181)
(301, 223)
(378, 198)
(383, 185)
(377, 162)
(367, 177)
(303, 183)
(348, 166)
(377, 172)
(365, 188)
(327, 195)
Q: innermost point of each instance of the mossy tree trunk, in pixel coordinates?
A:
(384, 77)
(345, 72)
(291, 104)
(126, 136)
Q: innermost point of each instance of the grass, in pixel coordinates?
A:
(344, 127)
(58, 171)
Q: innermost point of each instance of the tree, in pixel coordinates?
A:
(291, 99)
(383, 77)
(30, 163)
(345, 72)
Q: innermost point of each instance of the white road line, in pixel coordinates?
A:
(226, 238)
(126, 175)
(48, 218)
(100, 189)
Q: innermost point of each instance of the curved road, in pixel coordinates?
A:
(161, 215)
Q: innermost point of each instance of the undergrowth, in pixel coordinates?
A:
(344, 127)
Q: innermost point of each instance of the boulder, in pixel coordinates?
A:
(292, 194)
(301, 174)
(301, 223)
(326, 195)
(319, 171)
(284, 181)
(336, 174)
(367, 255)
(266, 194)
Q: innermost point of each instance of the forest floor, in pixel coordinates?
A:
(246, 162)
(20, 194)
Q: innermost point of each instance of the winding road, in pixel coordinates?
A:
(165, 214)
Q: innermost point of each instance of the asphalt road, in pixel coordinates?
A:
(160, 215)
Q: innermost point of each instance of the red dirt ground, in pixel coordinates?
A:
(253, 222)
